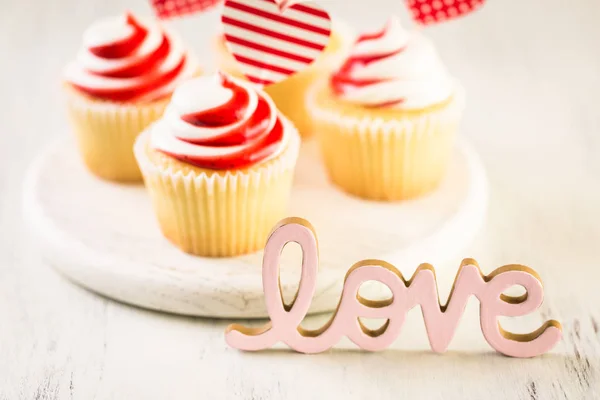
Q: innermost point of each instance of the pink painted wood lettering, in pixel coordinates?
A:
(441, 321)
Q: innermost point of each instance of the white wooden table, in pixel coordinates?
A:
(531, 72)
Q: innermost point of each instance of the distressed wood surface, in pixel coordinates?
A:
(531, 71)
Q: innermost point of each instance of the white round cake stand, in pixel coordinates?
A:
(104, 236)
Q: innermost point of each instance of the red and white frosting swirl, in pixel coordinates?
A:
(218, 122)
(393, 68)
(125, 60)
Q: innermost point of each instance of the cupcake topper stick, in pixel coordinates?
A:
(273, 39)
(421, 289)
(427, 12)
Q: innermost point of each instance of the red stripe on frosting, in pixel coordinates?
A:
(137, 66)
(342, 81)
(125, 46)
(241, 131)
(259, 81)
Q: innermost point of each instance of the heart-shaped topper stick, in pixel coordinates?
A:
(274, 39)
(428, 12)
(165, 9)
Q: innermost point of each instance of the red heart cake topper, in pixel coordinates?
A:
(434, 11)
(273, 39)
(175, 8)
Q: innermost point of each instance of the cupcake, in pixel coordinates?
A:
(289, 94)
(219, 166)
(386, 120)
(119, 83)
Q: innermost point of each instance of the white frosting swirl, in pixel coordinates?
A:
(235, 122)
(126, 59)
(394, 68)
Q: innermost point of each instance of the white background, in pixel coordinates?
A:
(531, 70)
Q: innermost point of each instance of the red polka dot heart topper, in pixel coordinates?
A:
(166, 9)
(441, 321)
(429, 12)
(273, 39)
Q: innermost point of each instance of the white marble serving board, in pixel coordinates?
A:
(104, 236)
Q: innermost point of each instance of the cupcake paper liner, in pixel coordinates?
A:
(106, 132)
(378, 157)
(219, 213)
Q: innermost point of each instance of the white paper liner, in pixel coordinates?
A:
(216, 214)
(106, 132)
(385, 159)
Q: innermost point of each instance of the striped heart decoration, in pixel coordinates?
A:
(428, 12)
(272, 40)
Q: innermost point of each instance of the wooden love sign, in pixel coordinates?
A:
(441, 321)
